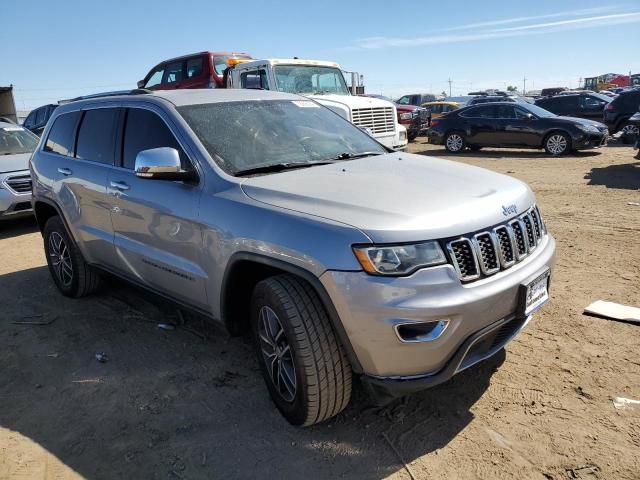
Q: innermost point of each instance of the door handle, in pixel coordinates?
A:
(65, 171)
(121, 186)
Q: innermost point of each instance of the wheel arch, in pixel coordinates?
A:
(44, 209)
(245, 269)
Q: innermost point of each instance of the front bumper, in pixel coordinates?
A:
(370, 307)
(590, 140)
(13, 204)
(396, 141)
(435, 137)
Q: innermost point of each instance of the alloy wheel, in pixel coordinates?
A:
(631, 130)
(277, 354)
(454, 142)
(557, 144)
(60, 259)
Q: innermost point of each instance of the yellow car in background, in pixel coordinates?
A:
(441, 107)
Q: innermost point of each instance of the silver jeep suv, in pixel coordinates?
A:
(273, 215)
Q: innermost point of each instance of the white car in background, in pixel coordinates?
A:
(16, 146)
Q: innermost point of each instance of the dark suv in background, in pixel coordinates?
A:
(38, 118)
(582, 105)
(618, 112)
(198, 70)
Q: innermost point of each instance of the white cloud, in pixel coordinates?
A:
(507, 21)
(521, 30)
(591, 21)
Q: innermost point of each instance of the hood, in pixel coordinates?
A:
(351, 101)
(14, 163)
(584, 121)
(397, 197)
(407, 108)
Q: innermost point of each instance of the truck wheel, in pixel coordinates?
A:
(304, 366)
(557, 143)
(454, 142)
(71, 274)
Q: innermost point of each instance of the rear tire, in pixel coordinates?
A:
(557, 143)
(304, 366)
(72, 275)
(454, 142)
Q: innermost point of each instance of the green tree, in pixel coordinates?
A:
(511, 88)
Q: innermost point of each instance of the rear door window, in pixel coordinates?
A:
(145, 130)
(484, 111)
(96, 136)
(62, 134)
(173, 72)
(504, 111)
(194, 67)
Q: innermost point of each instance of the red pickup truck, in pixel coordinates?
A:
(415, 119)
(198, 70)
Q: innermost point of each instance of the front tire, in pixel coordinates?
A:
(72, 275)
(304, 366)
(557, 143)
(454, 142)
(630, 133)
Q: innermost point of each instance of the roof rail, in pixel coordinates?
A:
(135, 91)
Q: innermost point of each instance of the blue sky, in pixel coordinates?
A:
(52, 50)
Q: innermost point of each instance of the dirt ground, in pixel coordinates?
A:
(190, 402)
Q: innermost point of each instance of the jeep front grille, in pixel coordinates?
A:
(488, 252)
(19, 183)
(378, 119)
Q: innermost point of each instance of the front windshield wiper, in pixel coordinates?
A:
(350, 156)
(279, 167)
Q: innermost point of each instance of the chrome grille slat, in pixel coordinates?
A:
(530, 232)
(506, 248)
(488, 252)
(464, 259)
(377, 119)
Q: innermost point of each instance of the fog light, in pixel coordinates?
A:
(414, 332)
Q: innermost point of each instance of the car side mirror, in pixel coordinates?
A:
(140, 84)
(160, 164)
(531, 116)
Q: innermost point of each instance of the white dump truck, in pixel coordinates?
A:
(325, 83)
(7, 104)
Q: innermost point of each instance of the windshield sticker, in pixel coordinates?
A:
(12, 129)
(305, 104)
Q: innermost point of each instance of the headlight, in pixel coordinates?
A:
(406, 116)
(399, 259)
(587, 128)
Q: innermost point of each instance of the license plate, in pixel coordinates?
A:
(536, 293)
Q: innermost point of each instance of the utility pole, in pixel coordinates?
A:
(524, 85)
(449, 86)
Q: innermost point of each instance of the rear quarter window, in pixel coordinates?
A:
(62, 134)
